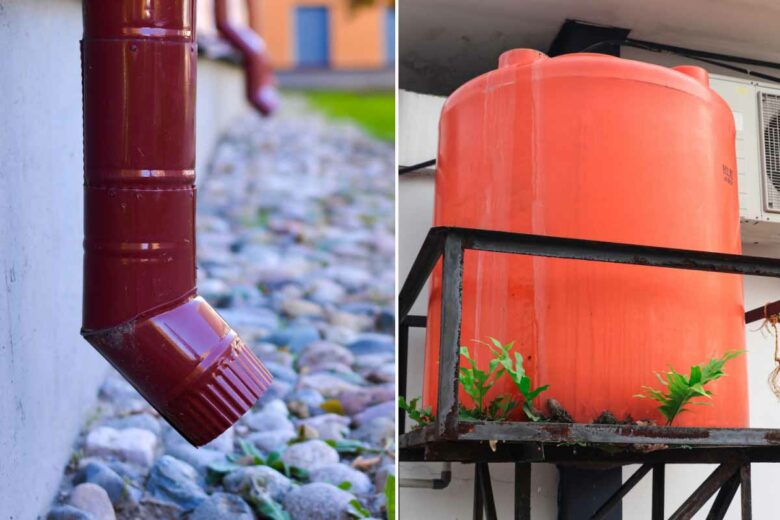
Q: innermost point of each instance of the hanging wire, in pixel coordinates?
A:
(414, 167)
(719, 60)
(770, 324)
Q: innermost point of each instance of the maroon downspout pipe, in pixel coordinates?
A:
(260, 87)
(141, 311)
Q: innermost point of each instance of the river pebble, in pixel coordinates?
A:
(295, 230)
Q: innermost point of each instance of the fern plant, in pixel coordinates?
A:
(251, 456)
(517, 374)
(679, 391)
(477, 383)
(421, 416)
(500, 408)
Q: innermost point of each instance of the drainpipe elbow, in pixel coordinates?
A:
(188, 364)
(445, 477)
(261, 90)
(444, 480)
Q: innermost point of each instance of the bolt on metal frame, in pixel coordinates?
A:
(523, 443)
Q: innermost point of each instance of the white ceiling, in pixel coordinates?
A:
(443, 43)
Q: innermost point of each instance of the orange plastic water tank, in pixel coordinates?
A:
(594, 147)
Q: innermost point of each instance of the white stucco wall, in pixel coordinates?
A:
(418, 131)
(220, 101)
(48, 375)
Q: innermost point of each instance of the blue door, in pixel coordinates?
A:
(311, 36)
(390, 35)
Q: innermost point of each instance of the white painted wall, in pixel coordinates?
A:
(220, 101)
(418, 131)
(48, 375)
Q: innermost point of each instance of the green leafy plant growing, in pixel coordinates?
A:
(351, 447)
(517, 374)
(421, 416)
(357, 510)
(680, 390)
(477, 383)
(499, 408)
(251, 456)
(266, 507)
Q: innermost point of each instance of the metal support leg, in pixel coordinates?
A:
(486, 488)
(478, 506)
(403, 348)
(449, 343)
(522, 491)
(745, 485)
(617, 497)
(722, 502)
(659, 481)
(715, 481)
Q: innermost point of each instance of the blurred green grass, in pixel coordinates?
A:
(373, 111)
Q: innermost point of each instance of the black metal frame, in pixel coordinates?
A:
(450, 439)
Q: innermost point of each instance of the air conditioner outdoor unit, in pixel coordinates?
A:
(756, 108)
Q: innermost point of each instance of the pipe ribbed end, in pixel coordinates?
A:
(210, 405)
(190, 365)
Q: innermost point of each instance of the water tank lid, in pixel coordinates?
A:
(519, 57)
(697, 73)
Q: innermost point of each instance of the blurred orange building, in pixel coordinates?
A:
(334, 34)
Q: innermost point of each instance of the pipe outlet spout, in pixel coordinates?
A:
(141, 310)
(261, 90)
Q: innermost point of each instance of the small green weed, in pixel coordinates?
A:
(518, 376)
(351, 447)
(420, 416)
(477, 384)
(357, 510)
(267, 508)
(251, 456)
(680, 391)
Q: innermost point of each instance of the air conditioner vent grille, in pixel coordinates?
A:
(770, 120)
